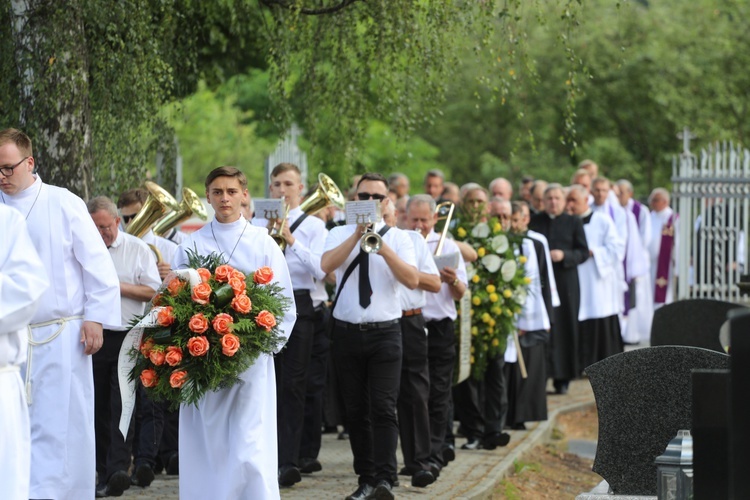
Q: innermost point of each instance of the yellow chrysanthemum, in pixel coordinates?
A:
(491, 322)
(490, 288)
(508, 313)
(517, 310)
(461, 232)
(486, 317)
(474, 331)
(481, 251)
(496, 310)
(495, 342)
(527, 280)
(497, 228)
(472, 360)
(472, 349)
(471, 313)
(507, 293)
(493, 297)
(476, 300)
(475, 278)
(522, 259)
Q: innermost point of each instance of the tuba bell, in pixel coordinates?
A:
(158, 203)
(189, 206)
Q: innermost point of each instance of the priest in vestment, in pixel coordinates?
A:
(663, 247)
(228, 448)
(568, 248)
(601, 289)
(67, 327)
(22, 282)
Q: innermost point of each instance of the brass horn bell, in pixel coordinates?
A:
(158, 203)
(190, 205)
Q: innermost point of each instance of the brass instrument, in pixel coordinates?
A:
(275, 231)
(158, 203)
(190, 205)
(444, 211)
(371, 241)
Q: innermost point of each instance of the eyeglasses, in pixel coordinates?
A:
(367, 196)
(7, 171)
(127, 218)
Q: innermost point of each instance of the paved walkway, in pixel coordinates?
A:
(473, 475)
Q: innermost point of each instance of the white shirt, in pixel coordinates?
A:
(135, 264)
(23, 280)
(385, 304)
(167, 248)
(319, 294)
(303, 257)
(415, 299)
(441, 305)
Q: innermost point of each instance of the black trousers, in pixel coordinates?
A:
(291, 366)
(483, 404)
(316, 384)
(413, 399)
(441, 348)
(112, 450)
(369, 372)
(157, 431)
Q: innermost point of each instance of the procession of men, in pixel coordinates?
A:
(372, 329)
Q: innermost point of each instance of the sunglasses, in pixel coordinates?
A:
(367, 196)
(127, 218)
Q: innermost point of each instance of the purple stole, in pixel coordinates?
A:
(637, 212)
(664, 260)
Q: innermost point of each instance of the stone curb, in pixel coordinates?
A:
(539, 435)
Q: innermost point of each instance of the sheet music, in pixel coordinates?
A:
(446, 260)
(362, 212)
(269, 208)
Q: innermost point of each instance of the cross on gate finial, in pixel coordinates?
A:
(686, 135)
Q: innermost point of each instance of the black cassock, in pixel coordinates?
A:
(564, 232)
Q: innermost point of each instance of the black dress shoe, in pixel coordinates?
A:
(492, 441)
(173, 464)
(309, 465)
(435, 469)
(289, 476)
(383, 491)
(361, 493)
(422, 478)
(449, 453)
(407, 471)
(471, 444)
(518, 427)
(144, 475)
(117, 483)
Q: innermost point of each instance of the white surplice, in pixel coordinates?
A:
(636, 325)
(228, 448)
(601, 291)
(84, 285)
(22, 282)
(658, 221)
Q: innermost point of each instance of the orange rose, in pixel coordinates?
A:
(237, 284)
(157, 300)
(178, 379)
(222, 323)
(165, 316)
(238, 274)
(230, 344)
(266, 320)
(175, 286)
(204, 273)
(263, 275)
(146, 346)
(174, 355)
(156, 357)
(224, 272)
(198, 346)
(201, 293)
(149, 378)
(198, 323)
(242, 304)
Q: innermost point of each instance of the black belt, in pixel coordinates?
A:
(378, 325)
(302, 292)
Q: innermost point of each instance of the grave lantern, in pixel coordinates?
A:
(674, 469)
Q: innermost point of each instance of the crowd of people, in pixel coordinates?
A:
(371, 336)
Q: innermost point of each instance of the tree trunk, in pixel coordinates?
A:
(52, 62)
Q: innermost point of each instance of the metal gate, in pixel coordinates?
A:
(712, 198)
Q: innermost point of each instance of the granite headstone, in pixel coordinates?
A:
(643, 398)
(692, 322)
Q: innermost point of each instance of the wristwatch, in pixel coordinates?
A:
(455, 282)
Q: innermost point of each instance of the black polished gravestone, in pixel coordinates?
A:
(691, 322)
(643, 397)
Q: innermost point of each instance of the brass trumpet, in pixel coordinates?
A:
(275, 231)
(371, 241)
(444, 211)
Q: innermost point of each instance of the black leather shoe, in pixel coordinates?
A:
(449, 453)
(383, 491)
(117, 483)
(289, 476)
(422, 478)
(407, 471)
(173, 465)
(309, 465)
(363, 492)
(435, 469)
(492, 441)
(471, 444)
(144, 475)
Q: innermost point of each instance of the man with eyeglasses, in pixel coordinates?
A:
(366, 338)
(139, 280)
(67, 327)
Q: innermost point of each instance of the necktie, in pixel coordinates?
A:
(365, 289)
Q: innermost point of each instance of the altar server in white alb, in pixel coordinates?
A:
(66, 329)
(228, 446)
(601, 290)
(22, 282)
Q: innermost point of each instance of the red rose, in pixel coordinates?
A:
(146, 346)
(156, 357)
(263, 275)
(175, 286)
(149, 378)
(165, 316)
(201, 293)
(174, 355)
(204, 273)
(238, 284)
(242, 304)
(198, 346)
(198, 323)
(222, 323)
(230, 344)
(178, 379)
(224, 272)
(266, 320)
